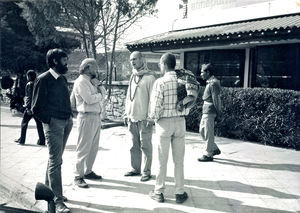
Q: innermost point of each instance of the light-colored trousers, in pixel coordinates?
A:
(141, 137)
(89, 126)
(207, 133)
(170, 131)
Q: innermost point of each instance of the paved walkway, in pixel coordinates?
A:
(246, 177)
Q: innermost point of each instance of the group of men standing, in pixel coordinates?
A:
(149, 100)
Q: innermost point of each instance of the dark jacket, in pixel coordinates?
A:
(28, 94)
(51, 98)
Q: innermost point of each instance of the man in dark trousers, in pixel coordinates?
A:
(51, 105)
(31, 76)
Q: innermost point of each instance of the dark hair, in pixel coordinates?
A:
(208, 68)
(31, 75)
(169, 59)
(56, 54)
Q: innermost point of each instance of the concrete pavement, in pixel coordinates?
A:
(246, 177)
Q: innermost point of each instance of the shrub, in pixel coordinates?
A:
(264, 115)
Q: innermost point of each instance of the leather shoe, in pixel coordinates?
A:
(92, 176)
(145, 178)
(216, 152)
(62, 208)
(80, 182)
(158, 197)
(65, 199)
(205, 158)
(180, 198)
(17, 140)
(40, 143)
(132, 173)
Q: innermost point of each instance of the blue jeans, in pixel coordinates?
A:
(57, 133)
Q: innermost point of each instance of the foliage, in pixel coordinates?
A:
(264, 115)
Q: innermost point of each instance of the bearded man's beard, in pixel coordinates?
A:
(61, 69)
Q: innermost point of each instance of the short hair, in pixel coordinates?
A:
(85, 63)
(208, 68)
(169, 59)
(31, 75)
(56, 54)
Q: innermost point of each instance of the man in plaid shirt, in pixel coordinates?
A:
(170, 128)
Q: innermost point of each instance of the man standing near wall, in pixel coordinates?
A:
(170, 128)
(136, 114)
(51, 105)
(211, 109)
(88, 102)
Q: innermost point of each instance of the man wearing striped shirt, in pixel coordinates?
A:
(170, 128)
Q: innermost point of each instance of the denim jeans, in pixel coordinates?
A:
(57, 133)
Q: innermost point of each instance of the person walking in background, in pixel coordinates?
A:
(51, 105)
(88, 102)
(31, 76)
(136, 114)
(211, 109)
(170, 129)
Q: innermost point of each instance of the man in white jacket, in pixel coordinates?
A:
(87, 99)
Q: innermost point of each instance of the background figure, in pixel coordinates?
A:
(170, 128)
(51, 105)
(31, 76)
(211, 109)
(136, 114)
(88, 101)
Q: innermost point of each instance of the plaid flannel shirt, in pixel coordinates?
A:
(164, 98)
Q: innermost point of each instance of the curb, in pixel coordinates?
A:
(24, 197)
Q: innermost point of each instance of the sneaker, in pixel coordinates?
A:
(132, 173)
(92, 176)
(205, 158)
(62, 208)
(216, 152)
(158, 197)
(145, 178)
(180, 198)
(80, 183)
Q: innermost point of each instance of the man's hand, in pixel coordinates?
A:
(149, 123)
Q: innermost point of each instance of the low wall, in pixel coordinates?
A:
(116, 104)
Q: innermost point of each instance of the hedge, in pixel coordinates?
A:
(263, 115)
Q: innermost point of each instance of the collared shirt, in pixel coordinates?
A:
(54, 74)
(164, 98)
(211, 96)
(85, 96)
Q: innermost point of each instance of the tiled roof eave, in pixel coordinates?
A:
(219, 37)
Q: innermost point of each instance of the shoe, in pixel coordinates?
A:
(80, 183)
(92, 176)
(146, 178)
(17, 140)
(65, 199)
(40, 143)
(216, 152)
(62, 208)
(158, 197)
(180, 198)
(205, 158)
(132, 173)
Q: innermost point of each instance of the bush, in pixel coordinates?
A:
(264, 115)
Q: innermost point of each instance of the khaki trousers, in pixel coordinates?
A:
(170, 131)
(207, 133)
(89, 126)
(141, 137)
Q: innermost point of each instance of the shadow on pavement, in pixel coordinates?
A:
(118, 208)
(206, 195)
(282, 167)
(73, 148)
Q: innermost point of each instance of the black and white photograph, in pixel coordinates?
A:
(140, 106)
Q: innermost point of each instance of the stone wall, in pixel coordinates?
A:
(116, 104)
